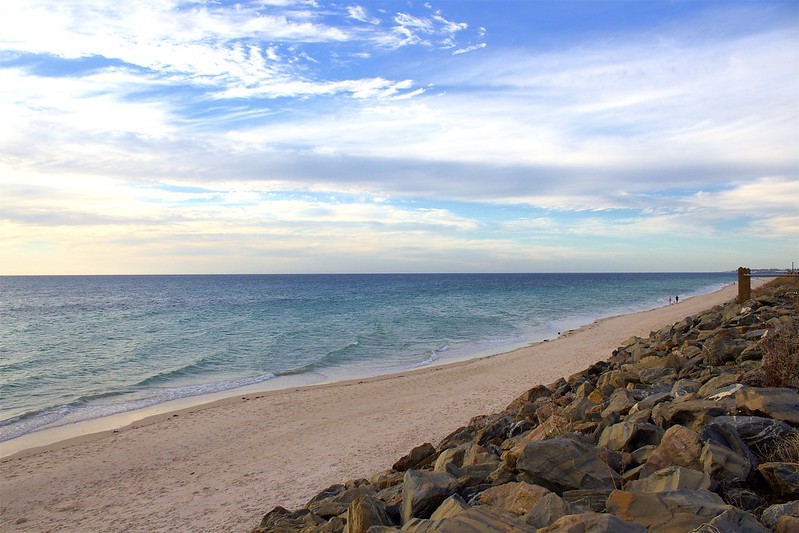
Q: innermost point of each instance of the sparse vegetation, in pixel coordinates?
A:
(780, 365)
(786, 450)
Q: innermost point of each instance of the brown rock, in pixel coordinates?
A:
(628, 436)
(592, 523)
(452, 506)
(671, 478)
(547, 510)
(783, 478)
(787, 524)
(776, 403)
(449, 456)
(679, 446)
(530, 396)
(364, 512)
(679, 510)
(516, 498)
(418, 457)
(280, 520)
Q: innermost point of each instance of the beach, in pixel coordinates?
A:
(220, 466)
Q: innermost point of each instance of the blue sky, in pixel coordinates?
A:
(278, 136)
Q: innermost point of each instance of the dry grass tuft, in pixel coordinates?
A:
(780, 365)
(786, 450)
(785, 287)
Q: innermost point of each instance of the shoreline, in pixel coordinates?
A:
(48, 436)
(223, 464)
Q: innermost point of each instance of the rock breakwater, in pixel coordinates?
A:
(694, 428)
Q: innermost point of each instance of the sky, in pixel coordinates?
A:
(311, 136)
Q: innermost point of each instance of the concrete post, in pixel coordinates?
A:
(744, 284)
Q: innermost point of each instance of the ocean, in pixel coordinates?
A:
(75, 348)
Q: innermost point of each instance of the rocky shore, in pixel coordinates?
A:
(691, 429)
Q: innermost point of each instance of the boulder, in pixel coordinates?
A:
(615, 379)
(279, 520)
(515, 497)
(364, 512)
(721, 348)
(651, 401)
(592, 500)
(628, 436)
(449, 456)
(530, 396)
(727, 436)
(592, 523)
(772, 514)
(679, 446)
(732, 521)
(418, 457)
(718, 382)
(671, 478)
(760, 434)
(776, 403)
(679, 510)
(423, 492)
(783, 478)
(452, 506)
(619, 404)
(689, 413)
(333, 502)
(547, 510)
(787, 524)
(563, 464)
(722, 463)
(476, 519)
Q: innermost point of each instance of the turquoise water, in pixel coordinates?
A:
(79, 347)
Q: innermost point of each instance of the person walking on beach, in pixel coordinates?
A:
(677, 299)
(669, 300)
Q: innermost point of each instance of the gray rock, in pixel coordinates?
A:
(690, 413)
(732, 521)
(547, 510)
(619, 404)
(776, 403)
(722, 463)
(772, 514)
(564, 464)
(721, 348)
(587, 500)
(759, 434)
(423, 492)
(783, 478)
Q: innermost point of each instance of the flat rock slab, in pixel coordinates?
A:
(565, 464)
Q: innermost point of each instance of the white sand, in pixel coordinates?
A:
(221, 466)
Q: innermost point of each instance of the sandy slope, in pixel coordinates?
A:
(221, 466)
